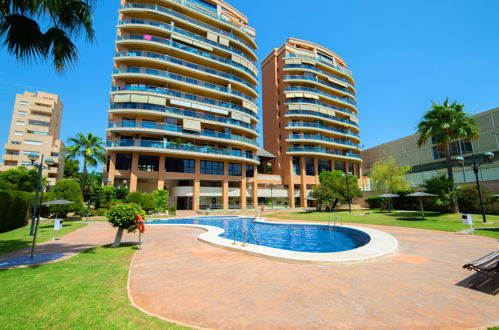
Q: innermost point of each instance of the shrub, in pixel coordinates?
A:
(375, 202)
(161, 200)
(172, 210)
(69, 190)
(122, 216)
(15, 207)
(148, 202)
(100, 212)
(121, 193)
(97, 197)
(135, 197)
(86, 212)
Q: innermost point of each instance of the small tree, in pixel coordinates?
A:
(161, 199)
(386, 176)
(107, 195)
(442, 187)
(123, 217)
(71, 169)
(135, 197)
(148, 202)
(19, 178)
(68, 190)
(333, 190)
(122, 192)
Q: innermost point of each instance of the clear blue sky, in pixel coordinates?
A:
(404, 54)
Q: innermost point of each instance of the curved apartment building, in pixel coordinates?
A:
(309, 116)
(183, 111)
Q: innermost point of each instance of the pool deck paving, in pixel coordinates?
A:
(178, 278)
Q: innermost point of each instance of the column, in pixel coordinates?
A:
(161, 170)
(243, 192)
(195, 194)
(134, 172)
(316, 169)
(255, 193)
(112, 169)
(225, 195)
(291, 186)
(303, 186)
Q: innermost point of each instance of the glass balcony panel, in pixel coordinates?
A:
(322, 115)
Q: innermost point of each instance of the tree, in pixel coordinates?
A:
(71, 169)
(446, 123)
(161, 199)
(332, 189)
(442, 187)
(386, 176)
(23, 37)
(68, 190)
(20, 178)
(90, 148)
(123, 217)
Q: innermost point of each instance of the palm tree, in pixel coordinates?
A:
(445, 123)
(66, 19)
(90, 148)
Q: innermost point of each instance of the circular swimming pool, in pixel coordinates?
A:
(292, 237)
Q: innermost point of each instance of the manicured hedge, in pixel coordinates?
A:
(15, 206)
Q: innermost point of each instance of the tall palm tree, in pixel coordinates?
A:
(90, 148)
(21, 30)
(445, 123)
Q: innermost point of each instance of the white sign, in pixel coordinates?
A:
(467, 219)
(57, 224)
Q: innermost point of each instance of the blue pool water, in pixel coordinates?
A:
(302, 238)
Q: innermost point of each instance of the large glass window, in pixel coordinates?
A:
(148, 163)
(250, 171)
(324, 165)
(180, 165)
(309, 166)
(456, 149)
(339, 166)
(38, 123)
(235, 169)
(213, 168)
(296, 165)
(123, 162)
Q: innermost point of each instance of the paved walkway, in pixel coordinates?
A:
(178, 278)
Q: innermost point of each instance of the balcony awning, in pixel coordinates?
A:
(265, 156)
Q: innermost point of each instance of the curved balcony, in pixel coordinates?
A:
(179, 129)
(317, 81)
(190, 97)
(322, 127)
(184, 113)
(314, 90)
(325, 105)
(315, 69)
(171, 28)
(190, 65)
(170, 12)
(326, 151)
(336, 67)
(301, 113)
(183, 79)
(318, 137)
(186, 149)
(175, 45)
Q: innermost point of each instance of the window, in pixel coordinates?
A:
(235, 169)
(455, 149)
(324, 165)
(54, 154)
(250, 171)
(123, 162)
(296, 166)
(20, 123)
(15, 153)
(21, 113)
(249, 154)
(37, 132)
(127, 122)
(34, 143)
(339, 166)
(180, 165)
(27, 153)
(15, 142)
(26, 164)
(148, 163)
(38, 123)
(309, 166)
(23, 103)
(213, 168)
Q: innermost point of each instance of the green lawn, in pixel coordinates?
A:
(87, 291)
(19, 238)
(435, 221)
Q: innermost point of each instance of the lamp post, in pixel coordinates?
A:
(488, 156)
(49, 162)
(271, 195)
(348, 191)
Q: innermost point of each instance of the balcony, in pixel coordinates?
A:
(315, 69)
(320, 115)
(172, 28)
(317, 59)
(320, 150)
(173, 44)
(318, 137)
(181, 112)
(182, 148)
(190, 65)
(190, 97)
(304, 89)
(183, 79)
(316, 80)
(322, 127)
(318, 103)
(179, 129)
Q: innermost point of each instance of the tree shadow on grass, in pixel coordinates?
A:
(481, 283)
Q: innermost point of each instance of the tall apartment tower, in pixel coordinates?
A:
(35, 128)
(183, 111)
(309, 116)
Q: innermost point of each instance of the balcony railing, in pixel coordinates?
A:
(322, 115)
(319, 137)
(169, 42)
(313, 68)
(181, 112)
(168, 75)
(190, 97)
(337, 67)
(314, 90)
(179, 129)
(179, 147)
(137, 53)
(324, 151)
(325, 105)
(189, 34)
(314, 79)
(188, 19)
(320, 126)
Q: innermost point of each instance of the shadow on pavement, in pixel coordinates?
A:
(484, 284)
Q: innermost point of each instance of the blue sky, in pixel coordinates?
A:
(404, 55)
